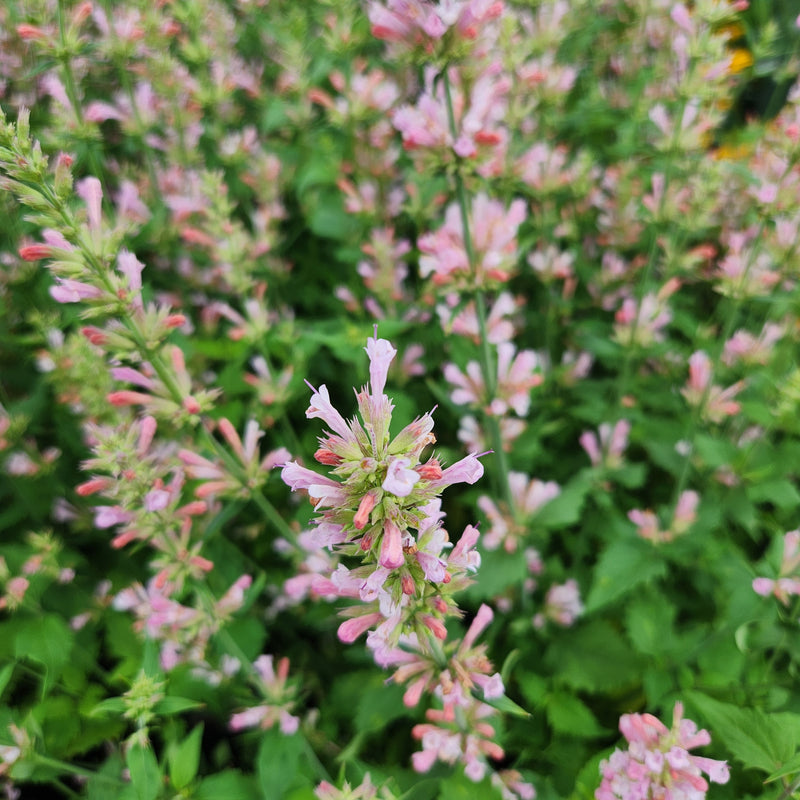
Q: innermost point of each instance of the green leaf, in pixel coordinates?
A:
(427, 789)
(593, 658)
(277, 763)
(176, 705)
(145, 774)
(571, 716)
(622, 566)
(48, 640)
(112, 705)
(227, 785)
(151, 663)
(106, 783)
(649, 623)
(565, 509)
(499, 570)
(533, 687)
(505, 705)
(631, 476)
(759, 740)
(713, 452)
(780, 493)
(379, 705)
(791, 767)
(184, 759)
(459, 787)
(5, 677)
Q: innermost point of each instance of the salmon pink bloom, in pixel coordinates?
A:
(657, 762)
(381, 505)
(494, 234)
(787, 584)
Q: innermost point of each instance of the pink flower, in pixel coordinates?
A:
(641, 323)
(68, 290)
(562, 605)
(517, 374)
(400, 479)
(714, 402)
(509, 526)
(419, 23)
(392, 555)
(611, 446)
(657, 762)
(787, 584)
(275, 686)
(494, 232)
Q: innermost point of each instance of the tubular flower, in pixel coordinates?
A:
(657, 762)
(444, 256)
(380, 504)
(421, 24)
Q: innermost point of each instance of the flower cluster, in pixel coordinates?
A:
(657, 762)
(382, 505)
(787, 584)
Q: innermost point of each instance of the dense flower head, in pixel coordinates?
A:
(432, 26)
(494, 233)
(509, 526)
(477, 132)
(657, 763)
(381, 504)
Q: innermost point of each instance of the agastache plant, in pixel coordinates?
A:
(382, 505)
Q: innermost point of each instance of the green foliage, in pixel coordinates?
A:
(250, 155)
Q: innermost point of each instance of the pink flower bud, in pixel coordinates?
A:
(364, 509)
(327, 457)
(35, 252)
(351, 629)
(392, 555)
(94, 485)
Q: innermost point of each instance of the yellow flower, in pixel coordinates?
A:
(741, 59)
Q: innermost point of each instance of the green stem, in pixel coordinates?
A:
(63, 766)
(487, 362)
(70, 87)
(162, 370)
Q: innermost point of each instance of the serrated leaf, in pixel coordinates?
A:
(427, 789)
(48, 640)
(459, 787)
(533, 687)
(631, 476)
(622, 566)
(759, 740)
(145, 774)
(184, 759)
(379, 705)
(791, 767)
(106, 784)
(649, 624)
(569, 715)
(593, 658)
(713, 452)
(277, 763)
(499, 570)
